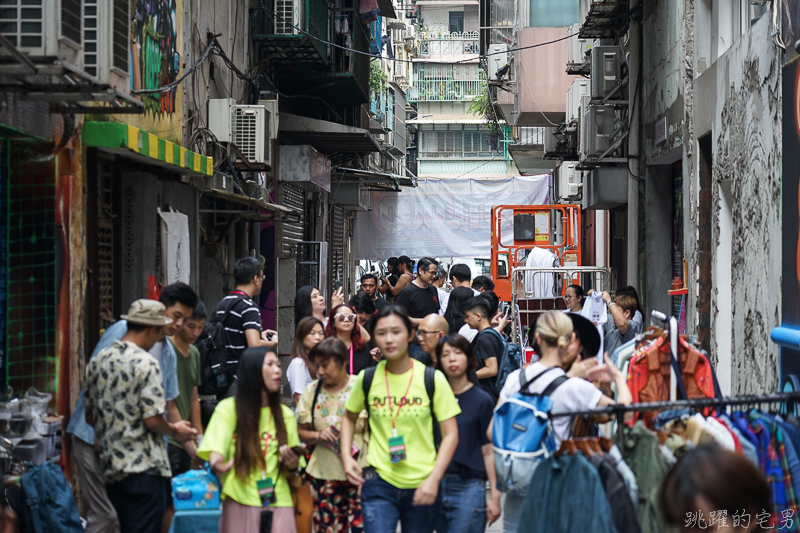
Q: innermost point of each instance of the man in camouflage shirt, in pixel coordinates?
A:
(125, 404)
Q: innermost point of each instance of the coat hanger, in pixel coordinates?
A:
(605, 443)
(568, 446)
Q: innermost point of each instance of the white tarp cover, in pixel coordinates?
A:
(441, 217)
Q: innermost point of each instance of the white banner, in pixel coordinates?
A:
(441, 217)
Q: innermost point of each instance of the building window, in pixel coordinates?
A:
(456, 143)
(456, 21)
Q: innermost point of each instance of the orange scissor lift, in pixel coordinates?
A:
(533, 228)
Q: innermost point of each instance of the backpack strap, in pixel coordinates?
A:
(229, 309)
(554, 385)
(366, 384)
(313, 408)
(525, 383)
(430, 386)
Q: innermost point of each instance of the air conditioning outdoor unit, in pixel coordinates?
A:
(287, 16)
(222, 118)
(598, 128)
(569, 181)
(270, 101)
(107, 41)
(43, 28)
(550, 140)
(575, 94)
(497, 59)
(576, 48)
(252, 133)
(605, 70)
(583, 10)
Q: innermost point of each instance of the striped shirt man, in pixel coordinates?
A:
(244, 315)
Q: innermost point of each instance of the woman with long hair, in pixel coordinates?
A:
(248, 444)
(309, 301)
(402, 481)
(455, 314)
(337, 506)
(300, 372)
(463, 487)
(343, 324)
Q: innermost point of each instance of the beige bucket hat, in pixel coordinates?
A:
(147, 313)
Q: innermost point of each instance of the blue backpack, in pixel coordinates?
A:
(522, 436)
(47, 503)
(507, 363)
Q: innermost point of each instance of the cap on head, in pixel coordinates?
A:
(147, 313)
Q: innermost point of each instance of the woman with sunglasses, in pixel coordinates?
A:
(343, 324)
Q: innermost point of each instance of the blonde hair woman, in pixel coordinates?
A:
(560, 347)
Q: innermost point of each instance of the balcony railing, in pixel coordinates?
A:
(433, 43)
(448, 90)
(282, 17)
(530, 135)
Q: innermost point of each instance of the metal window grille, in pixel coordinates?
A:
(121, 34)
(22, 22)
(31, 320)
(90, 21)
(677, 238)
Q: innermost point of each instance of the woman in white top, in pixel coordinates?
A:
(573, 297)
(301, 372)
(559, 348)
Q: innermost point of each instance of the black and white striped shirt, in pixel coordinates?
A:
(243, 316)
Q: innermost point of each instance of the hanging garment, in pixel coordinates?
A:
(793, 435)
(626, 473)
(596, 311)
(175, 247)
(622, 509)
(566, 495)
(649, 375)
(696, 371)
(720, 433)
(541, 285)
(623, 353)
(748, 448)
(787, 458)
(770, 466)
(640, 451)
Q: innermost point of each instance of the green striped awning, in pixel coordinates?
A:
(125, 139)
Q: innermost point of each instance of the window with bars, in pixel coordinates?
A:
(456, 143)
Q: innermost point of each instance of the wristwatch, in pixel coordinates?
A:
(611, 303)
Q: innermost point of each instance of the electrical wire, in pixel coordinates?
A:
(178, 81)
(476, 168)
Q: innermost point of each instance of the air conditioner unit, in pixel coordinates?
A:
(222, 118)
(287, 16)
(550, 140)
(44, 28)
(252, 133)
(599, 127)
(583, 10)
(605, 70)
(576, 92)
(270, 101)
(107, 42)
(569, 181)
(497, 59)
(576, 48)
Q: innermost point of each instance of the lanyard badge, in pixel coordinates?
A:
(397, 446)
(265, 485)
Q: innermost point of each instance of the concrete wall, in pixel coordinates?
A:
(661, 84)
(542, 83)
(737, 99)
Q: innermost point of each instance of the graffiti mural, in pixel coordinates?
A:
(154, 52)
(156, 47)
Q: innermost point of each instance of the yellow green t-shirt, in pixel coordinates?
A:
(220, 438)
(413, 422)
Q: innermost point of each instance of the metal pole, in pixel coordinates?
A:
(634, 156)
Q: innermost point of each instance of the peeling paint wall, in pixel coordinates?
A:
(662, 84)
(739, 97)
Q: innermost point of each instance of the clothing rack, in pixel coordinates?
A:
(620, 409)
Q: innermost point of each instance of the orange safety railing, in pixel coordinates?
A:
(508, 253)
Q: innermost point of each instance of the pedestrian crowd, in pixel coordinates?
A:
(389, 413)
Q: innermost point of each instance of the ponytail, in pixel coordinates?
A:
(555, 330)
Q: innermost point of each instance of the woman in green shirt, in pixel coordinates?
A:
(248, 443)
(402, 480)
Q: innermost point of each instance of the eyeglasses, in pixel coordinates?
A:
(568, 297)
(421, 332)
(343, 318)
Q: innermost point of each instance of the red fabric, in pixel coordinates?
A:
(736, 441)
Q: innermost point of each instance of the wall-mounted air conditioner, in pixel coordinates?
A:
(287, 16)
(107, 45)
(606, 62)
(222, 118)
(252, 133)
(569, 181)
(576, 92)
(576, 48)
(270, 101)
(497, 59)
(598, 127)
(583, 10)
(44, 28)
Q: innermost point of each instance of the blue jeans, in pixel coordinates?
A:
(512, 509)
(463, 505)
(383, 505)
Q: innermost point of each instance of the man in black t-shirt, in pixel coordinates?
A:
(488, 344)
(420, 299)
(387, 282)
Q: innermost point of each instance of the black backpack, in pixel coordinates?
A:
(215, 376)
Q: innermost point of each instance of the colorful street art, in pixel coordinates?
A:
(155, 48)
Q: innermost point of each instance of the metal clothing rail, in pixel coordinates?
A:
(620, 409)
